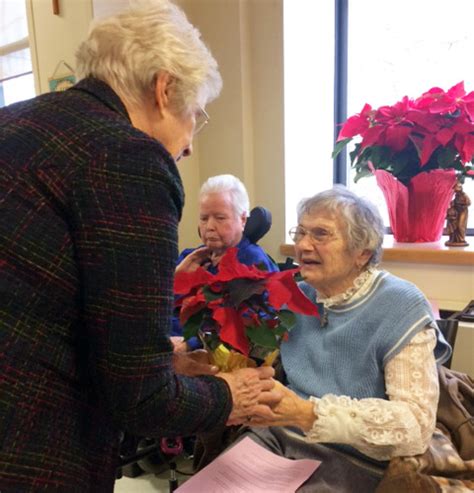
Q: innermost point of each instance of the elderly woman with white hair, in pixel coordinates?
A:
(362, 378)
(223, 211)
(90, 199)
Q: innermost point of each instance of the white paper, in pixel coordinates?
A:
(249, 468)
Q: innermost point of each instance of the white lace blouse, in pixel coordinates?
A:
(402, 425)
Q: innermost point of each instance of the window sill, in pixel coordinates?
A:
(420, 253)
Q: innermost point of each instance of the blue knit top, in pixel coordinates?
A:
(349, 354)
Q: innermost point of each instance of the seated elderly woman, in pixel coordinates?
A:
(223, 211)
(362, 379)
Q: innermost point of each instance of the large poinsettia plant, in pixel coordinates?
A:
(433, 131)
(241, 307)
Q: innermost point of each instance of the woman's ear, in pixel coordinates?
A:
(364, 258)
(162, 90)
(243, 218)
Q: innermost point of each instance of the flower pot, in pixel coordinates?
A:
(417, 212)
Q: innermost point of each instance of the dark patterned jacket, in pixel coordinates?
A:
(89, 209)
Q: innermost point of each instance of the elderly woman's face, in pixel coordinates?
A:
(325, 259)
(176, 133)
(219, 226)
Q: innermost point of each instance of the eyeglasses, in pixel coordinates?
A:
(202, 119)
(318, 236)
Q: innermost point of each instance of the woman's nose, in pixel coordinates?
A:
(305, 243)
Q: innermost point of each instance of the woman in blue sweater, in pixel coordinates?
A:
(362, 378)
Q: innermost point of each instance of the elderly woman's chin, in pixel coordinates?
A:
(215, 246)
(311, 273)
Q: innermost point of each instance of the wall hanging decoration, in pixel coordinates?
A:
(63, 77)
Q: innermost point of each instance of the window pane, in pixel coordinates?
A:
(16, 78)
(18, 89)
(309, 101)
(405, 47)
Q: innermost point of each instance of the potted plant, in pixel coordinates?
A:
(242, 313)
(417, 149)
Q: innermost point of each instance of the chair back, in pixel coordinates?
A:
(449, 329)
(258, 224)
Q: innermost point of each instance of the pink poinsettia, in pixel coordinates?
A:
(433, 131)
(240, 306)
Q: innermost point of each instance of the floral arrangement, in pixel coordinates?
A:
(434, 131)
(237, 313)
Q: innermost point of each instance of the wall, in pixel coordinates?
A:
(56, 37)
(245, 134)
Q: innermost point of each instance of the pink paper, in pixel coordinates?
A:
(249, 468)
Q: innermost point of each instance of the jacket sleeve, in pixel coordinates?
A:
(127, 206)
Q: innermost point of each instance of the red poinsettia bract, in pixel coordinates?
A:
(433, 131)
(242, 296)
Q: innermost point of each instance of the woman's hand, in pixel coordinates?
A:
(252, 394)
(199, 258)
(292, 410)
(194, 363)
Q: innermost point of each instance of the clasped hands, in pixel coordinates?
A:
(257, 398)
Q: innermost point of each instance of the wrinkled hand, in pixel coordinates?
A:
(252, 393)
(194, 363)
(291, 410)
(199, 258)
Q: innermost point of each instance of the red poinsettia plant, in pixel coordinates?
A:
(241, 308)
(433, 131)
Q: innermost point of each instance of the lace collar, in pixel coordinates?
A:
(360, 286)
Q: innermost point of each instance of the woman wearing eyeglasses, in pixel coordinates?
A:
(362, 383)
(90, 200)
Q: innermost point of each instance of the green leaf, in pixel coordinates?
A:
(192, 325)
(362, 174)
(242, 289)
(287, 319)
(339, 146)
(262, 336)
(211, 295)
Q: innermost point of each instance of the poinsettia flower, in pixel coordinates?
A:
(232, 328)
(373, 136)
(434, 130)
(230, 268)
(190, 306)
(282, 290)
(356, 124)
(247, 298)
(185, 282)
(396, 137)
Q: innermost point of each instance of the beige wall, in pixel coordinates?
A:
(56, 37)
(245, 135)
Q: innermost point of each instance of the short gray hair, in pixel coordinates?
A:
(365, 228)
(130, 49)
(231, 184)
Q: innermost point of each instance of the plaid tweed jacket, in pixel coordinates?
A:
(89, 209)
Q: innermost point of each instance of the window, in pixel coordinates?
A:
(394, 48)
(400, 52)
(16, 75)
(309, 101)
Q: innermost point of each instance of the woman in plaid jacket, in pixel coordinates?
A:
(90, 199)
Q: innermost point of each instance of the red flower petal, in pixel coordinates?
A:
(283, 290)
(185, 282)
(232, 329)
(191, 305)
